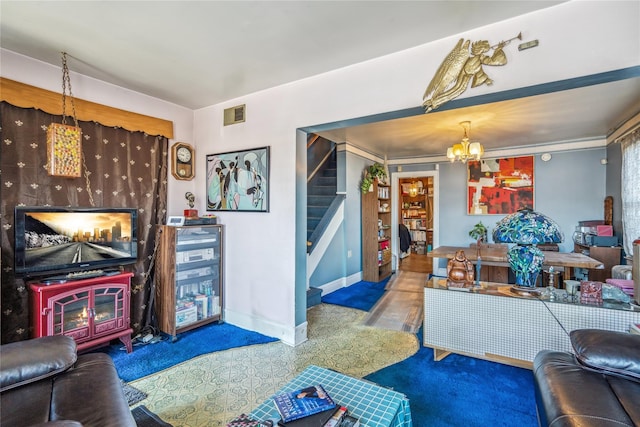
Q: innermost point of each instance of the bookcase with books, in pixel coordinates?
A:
(376, 233)
(189, 288)
(416, 210)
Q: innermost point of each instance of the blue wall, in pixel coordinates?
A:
(332, 265)
(568, 188)
(335, 263)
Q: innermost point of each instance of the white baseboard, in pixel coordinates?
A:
(292, 336)
(301, 334)
(340, 283)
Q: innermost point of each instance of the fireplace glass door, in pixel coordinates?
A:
(108, 309)
(71, 313)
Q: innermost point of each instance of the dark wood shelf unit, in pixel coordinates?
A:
(189, 277)
(376, 233)
(607, 255)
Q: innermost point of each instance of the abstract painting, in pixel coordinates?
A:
(499, 186)
(238, 181)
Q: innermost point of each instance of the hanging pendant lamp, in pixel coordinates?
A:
(465, 150)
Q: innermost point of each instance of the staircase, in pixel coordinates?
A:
(321, 185)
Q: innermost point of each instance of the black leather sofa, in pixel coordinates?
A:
(598, 385)
(43, 382)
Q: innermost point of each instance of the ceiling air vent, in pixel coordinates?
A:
(234, 115)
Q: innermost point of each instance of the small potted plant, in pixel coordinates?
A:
(373, 172)
(479, 233)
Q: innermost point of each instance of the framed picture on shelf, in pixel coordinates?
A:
(499, 186)
(238, 181)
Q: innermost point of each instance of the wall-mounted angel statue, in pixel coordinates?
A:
(460, 66)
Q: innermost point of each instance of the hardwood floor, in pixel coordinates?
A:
(417, 263)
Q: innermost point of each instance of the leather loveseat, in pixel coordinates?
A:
(599, 385)
(44, 382)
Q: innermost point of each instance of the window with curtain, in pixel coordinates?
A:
(630, 144)
(125, 169)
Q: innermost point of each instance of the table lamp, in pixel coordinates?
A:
(526, 228)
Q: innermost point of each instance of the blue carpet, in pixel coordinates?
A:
(361, 295)
(462, 391)
(455, 392)
(150, 358)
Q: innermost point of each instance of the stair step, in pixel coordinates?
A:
(325, 180)
(314, 296)
(322, 190)
(316, 211)
(318, 200)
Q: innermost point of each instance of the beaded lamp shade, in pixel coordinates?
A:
(526, 228)
(64, 142)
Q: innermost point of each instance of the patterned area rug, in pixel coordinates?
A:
(212, 389)
(401, 308)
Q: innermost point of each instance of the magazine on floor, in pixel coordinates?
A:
(303, 402)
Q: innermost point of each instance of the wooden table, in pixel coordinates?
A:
(496, 256)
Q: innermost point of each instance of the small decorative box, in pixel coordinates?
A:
(191, 213)
(590, 292)
(604, 230)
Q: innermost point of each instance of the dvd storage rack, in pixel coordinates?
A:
(189, 290)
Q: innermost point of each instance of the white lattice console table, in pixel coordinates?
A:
(494, 324)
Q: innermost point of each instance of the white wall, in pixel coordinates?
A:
(576, 39)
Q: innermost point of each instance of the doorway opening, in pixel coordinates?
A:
(416, 217)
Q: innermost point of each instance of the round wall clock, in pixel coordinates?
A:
(182, 161)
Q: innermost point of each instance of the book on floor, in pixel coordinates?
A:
(350, 421)
(303, 402)
(315, 420)
(337, 417)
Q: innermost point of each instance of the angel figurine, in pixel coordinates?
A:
(461, 66)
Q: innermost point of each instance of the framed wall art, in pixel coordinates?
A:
(238, 181)
(499, 186)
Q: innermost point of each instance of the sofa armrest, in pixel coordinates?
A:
(615, 353)
(28, 361)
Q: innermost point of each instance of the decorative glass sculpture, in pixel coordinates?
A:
(526, 228)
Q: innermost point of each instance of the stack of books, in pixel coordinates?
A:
(312, 407)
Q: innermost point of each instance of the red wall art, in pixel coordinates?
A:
(499, 186)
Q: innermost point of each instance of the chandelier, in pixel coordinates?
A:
(413, 189)
(465, 150)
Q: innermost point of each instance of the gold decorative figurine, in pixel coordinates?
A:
(460, 66)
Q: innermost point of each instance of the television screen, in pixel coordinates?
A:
(51, 240)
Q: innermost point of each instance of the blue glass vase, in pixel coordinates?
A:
(526, 263)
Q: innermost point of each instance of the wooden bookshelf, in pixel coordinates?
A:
(376, 233)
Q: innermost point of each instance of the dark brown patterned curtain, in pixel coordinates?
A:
(126, 169)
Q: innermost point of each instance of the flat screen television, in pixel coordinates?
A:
(56, 240)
